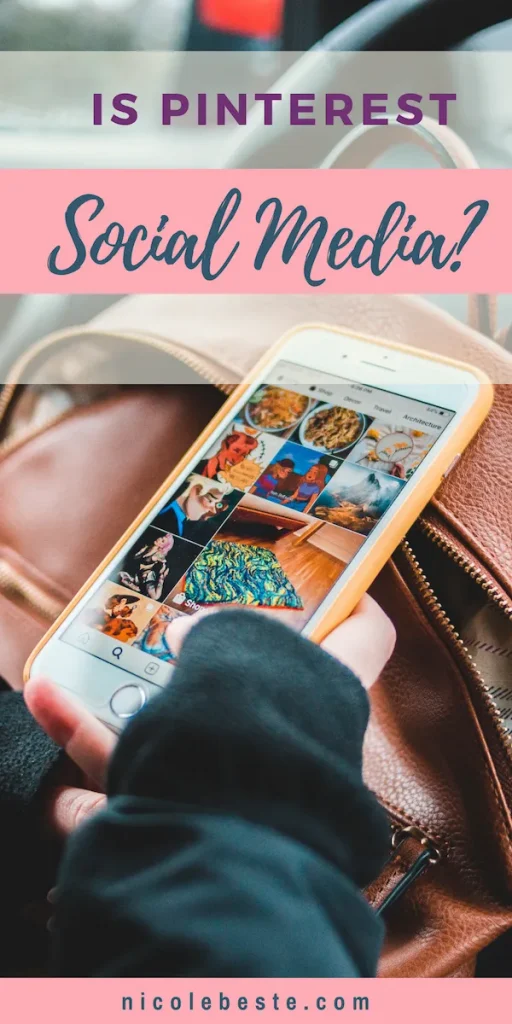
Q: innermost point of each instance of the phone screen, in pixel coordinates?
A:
(268, 518)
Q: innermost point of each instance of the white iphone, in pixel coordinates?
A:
(289, 503)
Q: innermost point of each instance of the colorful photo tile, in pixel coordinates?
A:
(332, 429)
(117, 612)
(356, 499)
(154, 638)
(392, 449)
(198, 509)
(239, 456)
(267, 557)
(155, 563)
(275, 410)
(296, 477)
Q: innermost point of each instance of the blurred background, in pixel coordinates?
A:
(42, 123)
(139, 24)
(189, 24)
(41, 128)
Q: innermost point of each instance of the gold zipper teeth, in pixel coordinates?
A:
(67, 334)
(435, 606)
(193, 363)
(472, 570)
(5, 397)
(167, 347)
(20, 590)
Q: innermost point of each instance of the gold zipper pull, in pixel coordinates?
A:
(401, 833)
(428, 856)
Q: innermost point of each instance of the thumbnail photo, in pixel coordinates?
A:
(332, 429)
(270, 557)
(275, 410)
(392, 449)
(118, 612)
(155, 563)
(297, 477)
(198, 508)
(356, 499)
(239, 456)
(154, 640)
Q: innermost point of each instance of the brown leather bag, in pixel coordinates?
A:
(78, 461)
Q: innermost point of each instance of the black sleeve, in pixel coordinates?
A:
(27, 858)
(238, 830)
(27, 760)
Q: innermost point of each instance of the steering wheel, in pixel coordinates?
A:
(401, 24)
(384, 25)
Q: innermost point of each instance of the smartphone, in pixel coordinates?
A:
(290, 502)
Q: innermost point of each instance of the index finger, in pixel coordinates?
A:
(86, 741)
(364, 641)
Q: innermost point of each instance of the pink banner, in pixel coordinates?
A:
(255, 231)
(386, 1001)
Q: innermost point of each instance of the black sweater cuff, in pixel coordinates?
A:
(261, 723)
(27, 760)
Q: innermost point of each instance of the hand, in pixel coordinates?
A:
(89, 744)
(349, 642)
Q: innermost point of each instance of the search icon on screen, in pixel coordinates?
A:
(117, 652)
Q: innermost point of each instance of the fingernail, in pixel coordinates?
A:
(52, 895)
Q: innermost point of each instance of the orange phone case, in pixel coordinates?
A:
(397, 527)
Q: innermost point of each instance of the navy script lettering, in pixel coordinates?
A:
(115, 239)
(379, 250)
(311, 242)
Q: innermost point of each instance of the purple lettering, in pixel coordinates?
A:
(174, 104)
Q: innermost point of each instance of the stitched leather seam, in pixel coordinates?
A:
(399, 812)
(393, 865)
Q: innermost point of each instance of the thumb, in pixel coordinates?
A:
(69, 807)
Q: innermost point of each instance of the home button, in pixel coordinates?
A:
(128, 700)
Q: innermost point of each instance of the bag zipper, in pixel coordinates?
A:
(13, 583)
(429, 856)
(12, 383)
(151, 341)
(22, 591)
(440, 615)
(469, 567)
(6, 394)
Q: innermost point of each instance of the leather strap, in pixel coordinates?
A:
(483, 317)
(365, 143)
